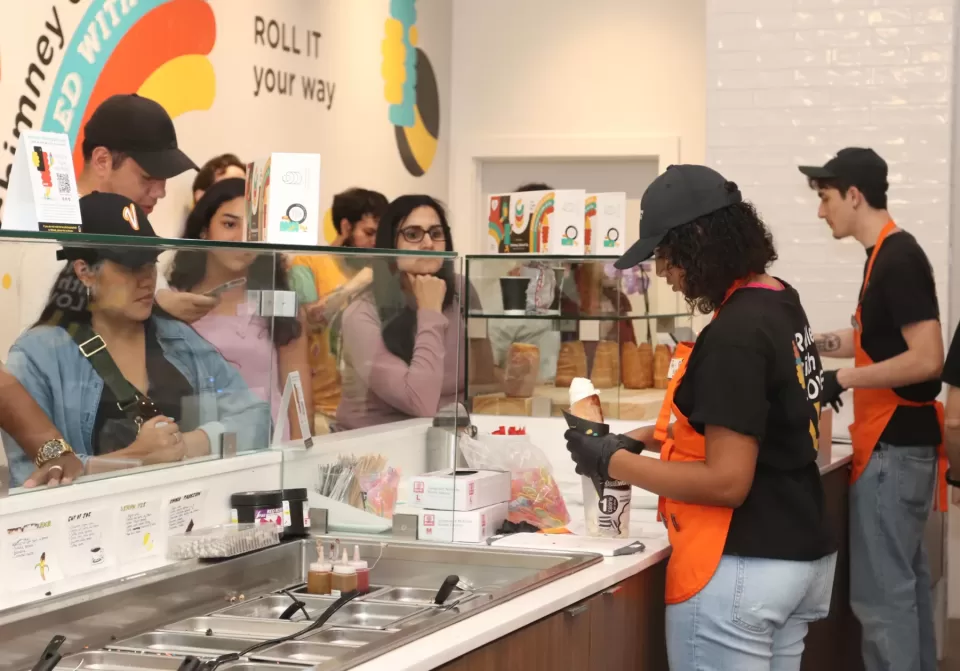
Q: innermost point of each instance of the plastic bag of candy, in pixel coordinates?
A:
(534, 494)
(379, 492)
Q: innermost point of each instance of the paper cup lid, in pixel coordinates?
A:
(581, 388)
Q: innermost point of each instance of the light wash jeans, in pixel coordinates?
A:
(890, 590)
(751, 616)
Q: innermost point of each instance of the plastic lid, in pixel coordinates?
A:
(321, 567)
(344, 569)
(581, 388)
(266, 499)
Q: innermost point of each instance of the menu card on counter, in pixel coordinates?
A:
(183, 511)
(43, 188)
(139, 529)
(89, 541)
(29, 554)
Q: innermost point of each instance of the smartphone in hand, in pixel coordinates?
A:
(226, 286)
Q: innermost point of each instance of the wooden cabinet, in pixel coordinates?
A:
(619, 629)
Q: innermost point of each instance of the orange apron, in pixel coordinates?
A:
(873, 408)
(697, 533)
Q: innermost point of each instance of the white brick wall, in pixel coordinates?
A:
(792, 81)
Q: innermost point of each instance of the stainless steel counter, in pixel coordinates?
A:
(207, 610)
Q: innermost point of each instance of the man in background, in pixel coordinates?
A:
(130, 148)
(325, 283)
(898, 351)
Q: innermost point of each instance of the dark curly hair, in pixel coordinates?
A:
(716, 250)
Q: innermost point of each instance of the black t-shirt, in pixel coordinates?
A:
(755, 370)
(112, 428)
(901, 292)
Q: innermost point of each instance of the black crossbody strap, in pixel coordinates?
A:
(95, 351)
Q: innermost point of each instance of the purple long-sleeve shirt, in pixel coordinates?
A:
(380, 387)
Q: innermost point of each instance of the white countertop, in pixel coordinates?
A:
(474, 632)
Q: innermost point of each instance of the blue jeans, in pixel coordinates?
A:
(890, 587)
(751, 616)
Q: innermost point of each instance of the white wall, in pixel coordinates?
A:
(568, 69)
(792, 81)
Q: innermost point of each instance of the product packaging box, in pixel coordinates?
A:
(283, 199)
(464, 491)
(605, 223)
(461, 526)
(537, 222)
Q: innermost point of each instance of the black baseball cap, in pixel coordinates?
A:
(113, 214)
(140, 128)
(682, 194)
(855, 166)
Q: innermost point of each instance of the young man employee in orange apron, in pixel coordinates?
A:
(897, 347)
(752, 562)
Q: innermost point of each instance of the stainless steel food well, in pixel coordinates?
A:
(371, 615)
(182, 592)
(237, 627)
(349, 637)
(273, 606)
(181, 643)
(105, 660)
(419, 596)
(301, 652)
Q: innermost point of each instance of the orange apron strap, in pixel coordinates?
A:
(941, 502)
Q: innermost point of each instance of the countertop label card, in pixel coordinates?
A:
(89, 541)
(43, 188)
(139, 529)
(29, 555)
(183, 511)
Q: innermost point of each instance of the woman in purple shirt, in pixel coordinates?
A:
(402, 353)
(244, 338)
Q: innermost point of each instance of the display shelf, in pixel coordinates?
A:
(576, 317)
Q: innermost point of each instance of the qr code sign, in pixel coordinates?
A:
(63, 184)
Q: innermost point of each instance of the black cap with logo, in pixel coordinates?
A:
(112, 214)
(854, 166)
(140, 128)
(682, 194)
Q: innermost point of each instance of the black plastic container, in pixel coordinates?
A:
(258, 507)
(296, 513)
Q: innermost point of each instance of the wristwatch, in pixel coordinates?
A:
(52, 449)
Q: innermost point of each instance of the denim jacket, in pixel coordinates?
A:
(48, 363)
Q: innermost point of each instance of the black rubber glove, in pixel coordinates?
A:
(830, 394)
(592, 454)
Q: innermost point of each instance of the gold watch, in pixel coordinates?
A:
(51, 450)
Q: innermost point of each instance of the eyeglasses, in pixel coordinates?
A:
(414, 234)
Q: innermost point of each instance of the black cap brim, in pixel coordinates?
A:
(639, 252)
(164, 164)
(817, 172)
(127, 257)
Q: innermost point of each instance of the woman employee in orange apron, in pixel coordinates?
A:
(740, 494)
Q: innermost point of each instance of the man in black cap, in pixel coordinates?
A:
(897, 347)
(130, 148)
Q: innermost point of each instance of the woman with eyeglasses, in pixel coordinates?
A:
(125, 385)
(401, 350)
(265, 350)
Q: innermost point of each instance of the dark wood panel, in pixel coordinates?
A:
(560, 641)
(627, 624)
